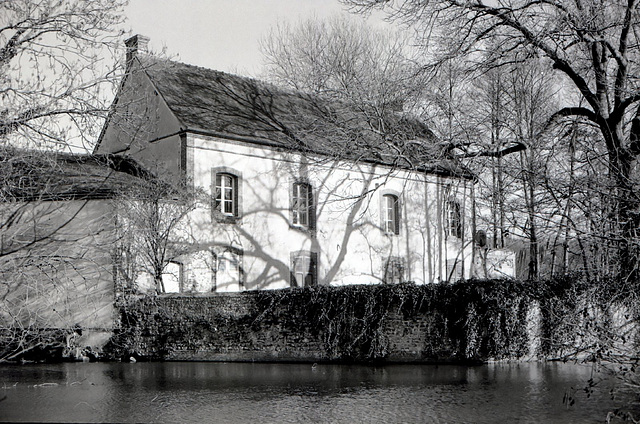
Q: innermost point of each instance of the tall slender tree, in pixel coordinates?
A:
(591, 45)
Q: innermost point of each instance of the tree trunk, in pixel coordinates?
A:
(627, 221)
(157, 279)
(626, 203)
(529, 197)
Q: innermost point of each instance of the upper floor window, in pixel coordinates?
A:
(453, 219)
(226, 188)
(226, 194)
(302, 211)
(390, 214)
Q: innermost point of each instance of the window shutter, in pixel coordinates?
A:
(235, 196)
(293, 281)
(313, 268)
(214, 271)
(292, 201)
(214, 180)
(383, 213)
(459, 218)
(311, 207)
(397, 212)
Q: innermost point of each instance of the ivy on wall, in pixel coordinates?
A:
(470, 321)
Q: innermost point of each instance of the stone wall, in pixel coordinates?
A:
(472, 322)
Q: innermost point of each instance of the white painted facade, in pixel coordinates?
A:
(348, 244)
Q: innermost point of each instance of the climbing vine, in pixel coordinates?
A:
(469, 321)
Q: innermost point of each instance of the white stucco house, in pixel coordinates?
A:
(300, 191)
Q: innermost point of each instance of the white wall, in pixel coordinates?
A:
(348, 240)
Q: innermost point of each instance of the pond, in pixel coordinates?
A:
(290, 393)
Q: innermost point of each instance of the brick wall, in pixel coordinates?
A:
(356, 323)
(472, 322)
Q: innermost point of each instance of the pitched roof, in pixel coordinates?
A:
(37, 175)
(218, 103)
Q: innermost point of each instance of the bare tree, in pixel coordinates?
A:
(344, 60)
(55, 68)
(591, 46)
(530, 97)
(153, 228)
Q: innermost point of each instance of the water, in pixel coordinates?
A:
(290, 393)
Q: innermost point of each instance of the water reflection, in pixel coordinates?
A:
(275, 393)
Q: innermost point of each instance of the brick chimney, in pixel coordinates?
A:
(136, 44)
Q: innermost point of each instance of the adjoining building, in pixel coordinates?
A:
(57, 239)
(300, 191)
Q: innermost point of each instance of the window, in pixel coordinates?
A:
(304, 269)
(228, 270)
(172, 275)
(302, 210)
(199, 275)
(454, 270)
(394, 271)
(226, 193)
(453, 219)
(390, 214)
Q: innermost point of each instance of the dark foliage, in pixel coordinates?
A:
(470, 321)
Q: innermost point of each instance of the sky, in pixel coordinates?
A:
(221, 34)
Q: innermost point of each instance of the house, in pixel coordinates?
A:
(299, 191)
(56, 245)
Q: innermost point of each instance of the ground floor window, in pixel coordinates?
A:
(228, 272)
(304, 269)
(172, 277)
(454, 269)
(394, 270)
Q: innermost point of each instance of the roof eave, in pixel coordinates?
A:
(280, 146)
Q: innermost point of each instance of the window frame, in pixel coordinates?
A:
(390, 226)
(453, 219)
(219, 252)
(394, 267)
(217, 204)
(308, 211)
(454, 270)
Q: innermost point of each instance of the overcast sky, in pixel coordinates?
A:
(220, 34)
